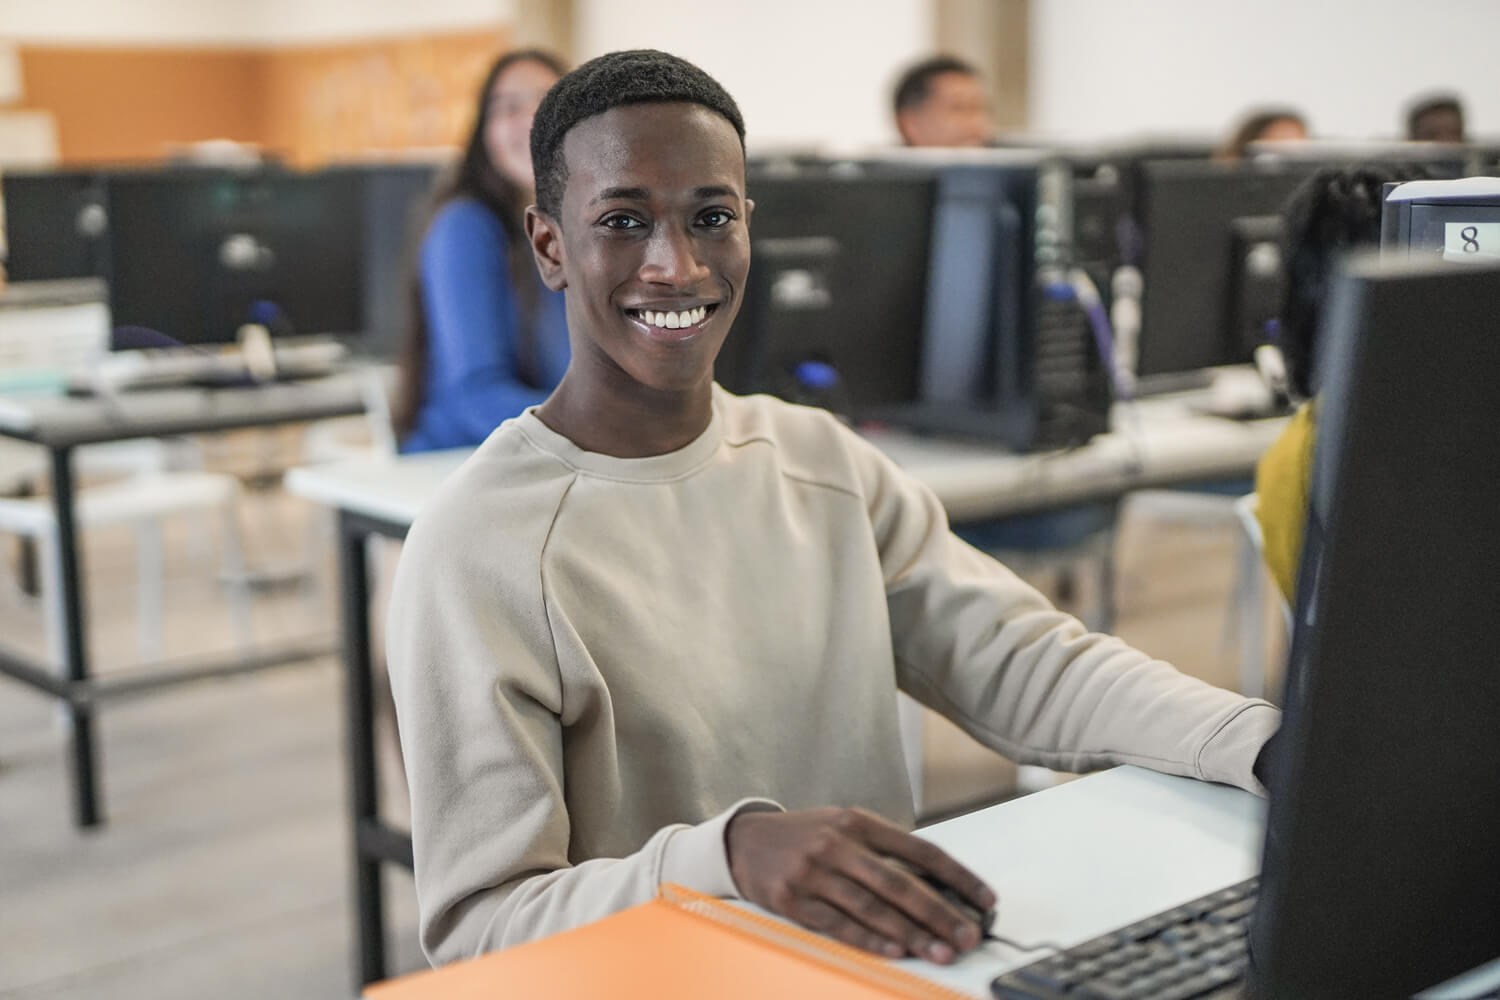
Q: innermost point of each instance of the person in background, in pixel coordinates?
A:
(653, 632)
(1436, 118)
(1336, 210)
(941, 101)
(485, 338)
(1265, 125)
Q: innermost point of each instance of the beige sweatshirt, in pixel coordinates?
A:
(597, 660)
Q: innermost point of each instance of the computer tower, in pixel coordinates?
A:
(1014, 350)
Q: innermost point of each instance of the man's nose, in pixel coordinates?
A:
(672, 259)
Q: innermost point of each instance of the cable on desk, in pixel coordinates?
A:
(1018, 946)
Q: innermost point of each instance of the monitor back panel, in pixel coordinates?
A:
(838, 275)
(1188, 211)
(1382, 864)
(54, 225)
(192, 251)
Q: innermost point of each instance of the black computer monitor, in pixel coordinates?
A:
(837, 286)
(1211, 262)
(55, 225)
(1381, 872)
(393, 197)
(197, 253)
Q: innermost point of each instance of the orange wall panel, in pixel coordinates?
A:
(348, 101)
(129, 104)
(310, 105)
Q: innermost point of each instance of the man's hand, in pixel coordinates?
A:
(839, 871)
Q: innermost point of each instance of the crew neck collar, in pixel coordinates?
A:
(651, 469)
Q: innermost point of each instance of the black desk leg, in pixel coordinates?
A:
(359, 712)
(75, 650)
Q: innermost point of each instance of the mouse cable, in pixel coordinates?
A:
(1018, 946)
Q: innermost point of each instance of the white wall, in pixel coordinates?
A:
(1113, 67)
(802, 71)
(310, 21)
(238, 22)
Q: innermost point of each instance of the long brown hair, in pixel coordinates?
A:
(473, 176)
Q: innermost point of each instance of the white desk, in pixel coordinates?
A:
(1089, 856)
(974, 482)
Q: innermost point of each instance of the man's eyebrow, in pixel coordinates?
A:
(623, 194)
(642, 194)
(715, 191)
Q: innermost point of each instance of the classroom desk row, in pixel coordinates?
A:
(60, 424)
(1164, 442)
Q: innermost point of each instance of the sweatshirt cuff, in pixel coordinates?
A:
(696, 858)
(1229, 755)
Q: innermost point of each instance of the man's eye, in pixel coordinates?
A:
(620, 223)
(716, 218)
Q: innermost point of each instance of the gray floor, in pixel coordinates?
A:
(222, 870)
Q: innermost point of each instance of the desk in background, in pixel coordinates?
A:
(60, 424)
(1169, 444)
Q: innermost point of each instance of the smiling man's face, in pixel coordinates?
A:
(653, 243)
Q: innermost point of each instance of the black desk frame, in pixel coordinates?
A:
(77, 689)
(373, 841)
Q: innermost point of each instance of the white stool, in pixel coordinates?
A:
(143, 501)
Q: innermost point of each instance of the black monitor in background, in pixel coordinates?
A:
(833, 306)
(1210, 262)
(393, 197)
(55, 225)
(197, 253)
(1381, 873)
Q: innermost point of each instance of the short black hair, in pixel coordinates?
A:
(916, 83)
(1429, 105)
(1335, 210)
(635, 76)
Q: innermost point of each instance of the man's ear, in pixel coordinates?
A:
(904, 126)
(547, 247)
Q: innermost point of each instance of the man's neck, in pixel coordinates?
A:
(631, 422)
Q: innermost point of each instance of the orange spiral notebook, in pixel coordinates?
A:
(681, 944)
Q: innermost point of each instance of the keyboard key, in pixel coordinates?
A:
(1232, 912)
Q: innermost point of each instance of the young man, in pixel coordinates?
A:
(653, 632)
(941, 102)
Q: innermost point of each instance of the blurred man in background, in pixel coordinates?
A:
(1437, 118)
(941, 101)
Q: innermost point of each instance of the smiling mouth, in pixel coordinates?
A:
(684, 319)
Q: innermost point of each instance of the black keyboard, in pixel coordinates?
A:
(1195, 950)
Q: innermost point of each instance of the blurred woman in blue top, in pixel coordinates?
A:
(485, 338)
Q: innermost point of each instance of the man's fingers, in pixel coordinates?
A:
(829, 919)
(881, 915)
(925, 856)
(917, 900)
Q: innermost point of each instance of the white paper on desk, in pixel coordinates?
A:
(1093, 855)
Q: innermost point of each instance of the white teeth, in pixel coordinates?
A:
(675, 320)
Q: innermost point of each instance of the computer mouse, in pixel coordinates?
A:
(984, 918)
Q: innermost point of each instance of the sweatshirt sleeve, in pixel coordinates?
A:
(472, 320)
(479, 703)
(980, 646)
